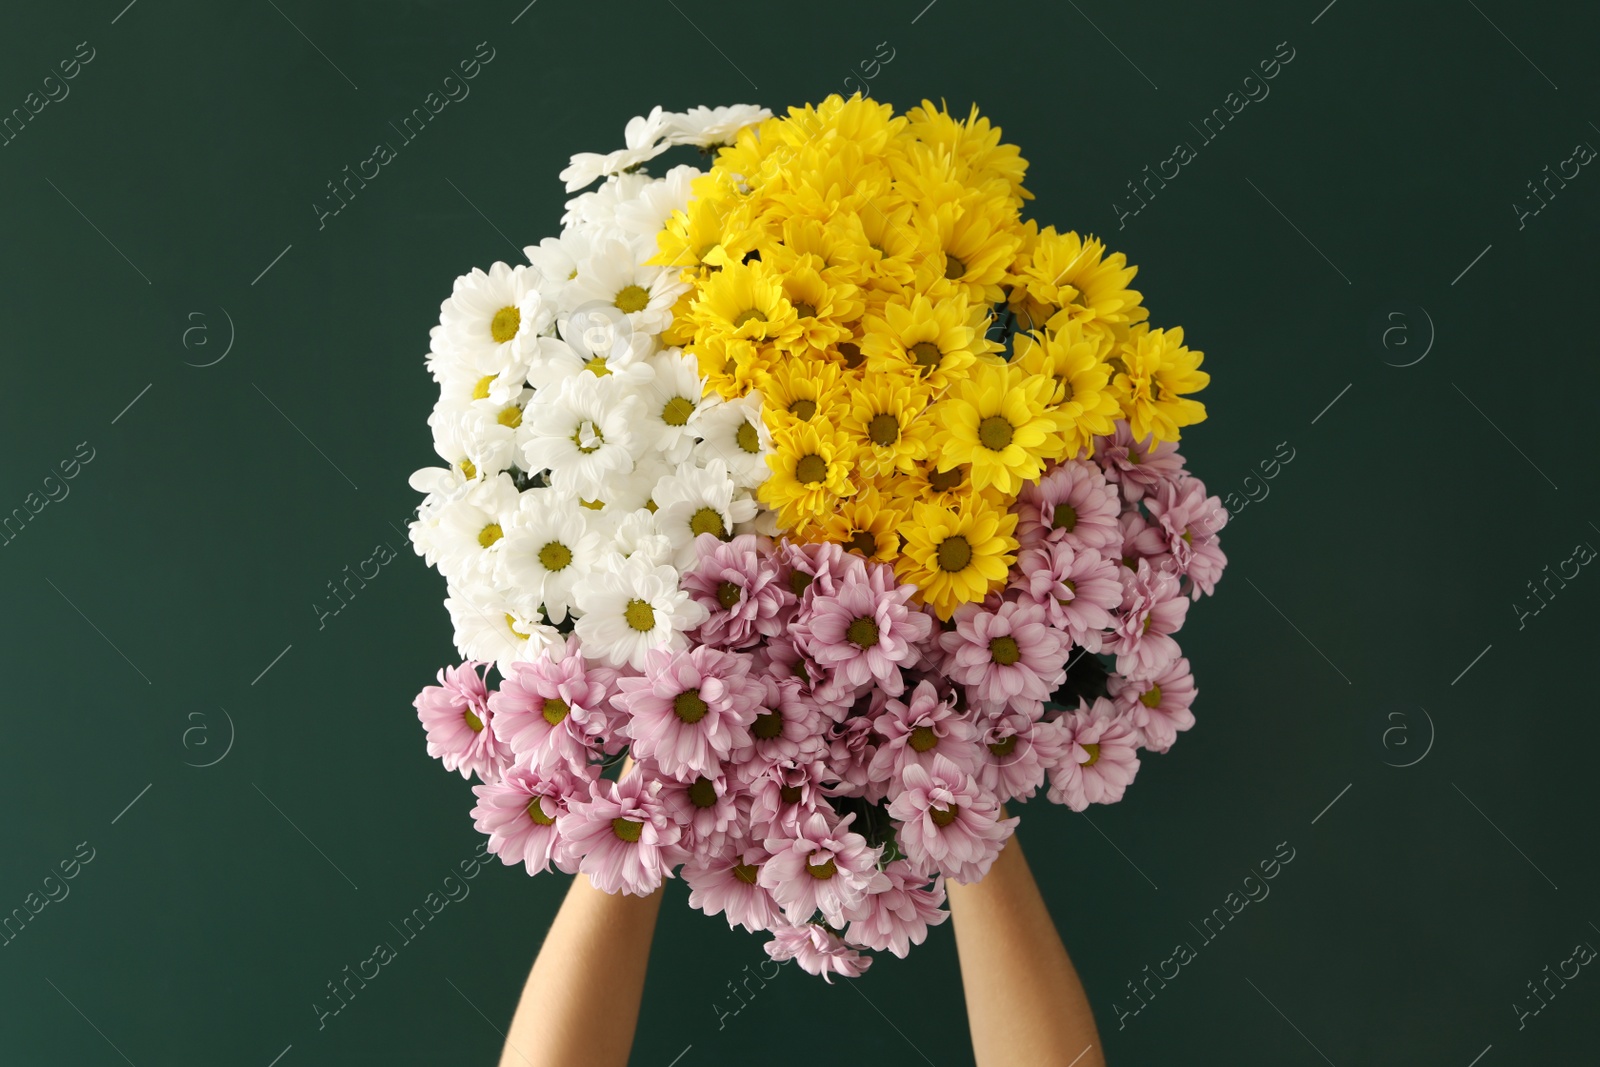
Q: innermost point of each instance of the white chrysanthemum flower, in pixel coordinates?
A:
(630, 494)
(734, 432)
(706, 126)
(672, 403)
(483, 316)
(471, 526)
(597, 209)
(613, 274)
(631, 606)
(645, 138)
(694, 500)
(488, 626)
(765, 524)
(603, 337)
(450, 442)
(489, 432)
(554, 260)
(583, 432)
(645, 214)
(548, 547)
(638, 535)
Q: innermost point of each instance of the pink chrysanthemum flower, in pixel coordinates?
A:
(899, 917)
(809, 570)
(1152, 610)
(1009, 653)
(781, 657)
(555, 708)
(1078, 588)
(947, 822)
(1139, 541)
(1016, 749)
(708, 808)
(851, 747)
(457, 716)
(1158, 707)
(1098, 760)
(920, 731)
(1074, 503)
(863, 632)
(788, 726)
(519, 813)
(691, 709)
(1137, 466)
(784, 796)
(728, 885)
(821, 867)
(621, 837)
(741, 587)
(817, 951)
(1189, 520)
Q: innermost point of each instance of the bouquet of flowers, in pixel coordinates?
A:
(842, 498)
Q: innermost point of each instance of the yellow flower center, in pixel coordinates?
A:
(489, 534)
(1151, 697)
(953, 554)
(1094, 754)
(676, 411)
(469, 468)
(536, 813)
(768, 725)
(1004, 748)
(923, 738)
(750, 315)
(555, 556)
(944, 816)
(510, 417)
(708, 520)
(862, 632)
(503, 327)
(555, 709)
(639, 615)
(632, 298)
(811, 469)
(729, 595)
(803, 409)
(626, 829)
(588, 437)
(480, 391)
(824, 870)
(883, 429)
(592, 505)
(995, 433)
(688, 706)
(1004, 651)
(1064, 518)
(926, 355)
(474, 723)
(747, 437)
(597, 367)
(703, 793)
(953, 267)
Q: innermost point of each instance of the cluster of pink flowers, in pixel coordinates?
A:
(826, 752)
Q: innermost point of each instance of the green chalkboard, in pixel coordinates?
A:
(216, 792)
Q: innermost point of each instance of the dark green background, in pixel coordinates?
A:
(191, 549)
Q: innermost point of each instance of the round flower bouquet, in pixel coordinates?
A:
(838, 495)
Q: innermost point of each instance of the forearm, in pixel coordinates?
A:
(1025, 1005)
(581, 1002)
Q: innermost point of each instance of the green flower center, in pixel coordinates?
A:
(862, 632)
(503, 327)
(1004, 748)
(812, 469)
(703, 793)
(863, 543)
(926, 355)
(805, 311)
(708, 520)
(995, 433)
(746, 872)
(1064, 518)
(729, 595)
(923, 738)
(555, 709)
(688, 706)
(626, 829)
(803, 409)
(789, 794)
(945, 481)
(1094, 754)
(1004, 651)
(555, 556)
(954, 268)
(632, 298)
(852, 354)
(752, 315)
(474, 723)
(883, 429)
(954, 553)
(639, 615)
(536, 813)
(747, 437)
(799, 582)
(1151, 697)
(824, 870)
(944, 816)
(768, 725)
(676, 411)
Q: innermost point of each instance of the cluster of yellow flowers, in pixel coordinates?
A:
(851, 266)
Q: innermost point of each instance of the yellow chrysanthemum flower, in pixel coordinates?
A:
(884, 421)
(795, 391)
(933, 340)
(976, 242)
(826, 310)
(1081, 403)
(744, 301)
(926, 483)
(974, 142)
(867, 524)
(811, 464)
(731, 367)
(958, 555)
(1065, 273)
(998, 422)
(1157, 369)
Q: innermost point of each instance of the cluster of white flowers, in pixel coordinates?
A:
(583, 455)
